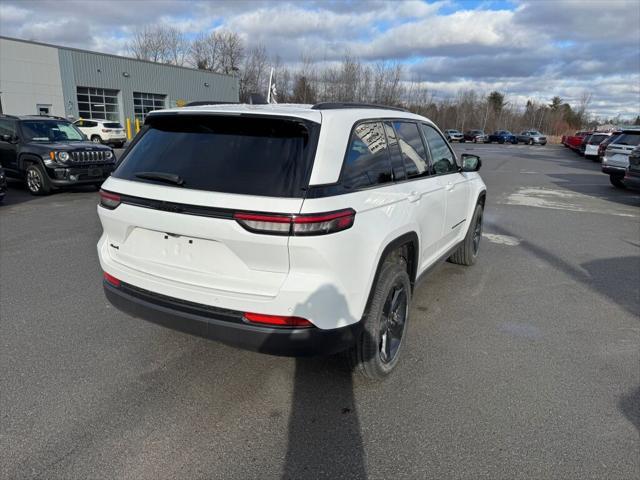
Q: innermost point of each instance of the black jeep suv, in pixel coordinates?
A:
(50, 152)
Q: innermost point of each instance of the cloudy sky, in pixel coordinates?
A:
(527, 49)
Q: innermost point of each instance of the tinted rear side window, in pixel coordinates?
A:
(367, 161)
(628, 139)
(597, 139)
(397, 164)
(246, 155)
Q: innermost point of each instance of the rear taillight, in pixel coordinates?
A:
(109, 200)
(277, 320)
(111, 280)
(298, 225)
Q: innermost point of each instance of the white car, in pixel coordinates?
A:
(593, 142)
(454, 135)
(616, 157)
(287, 229)
(103, 131)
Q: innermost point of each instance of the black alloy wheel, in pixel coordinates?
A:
(392, 323)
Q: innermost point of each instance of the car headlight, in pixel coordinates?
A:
(108, 154)
(63, 156)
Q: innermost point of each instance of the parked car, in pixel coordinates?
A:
(454, 136)
(502, 136)
(50, 153)
(103, 131)
(3, 184)
(574, 141)
(616, 156)
(475, 136)
(632, 175)
(592, 144)
(603, 145)
(294, 249)
(532, 137)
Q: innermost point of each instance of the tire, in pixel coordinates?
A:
(467, 253)
(617, 182)
(37, 181)
(374, 356)
(119, 145)
(96, 139)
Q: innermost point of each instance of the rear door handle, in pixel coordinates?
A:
(413, 196)
(450, 186)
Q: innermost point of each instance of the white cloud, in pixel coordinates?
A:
(534, 49)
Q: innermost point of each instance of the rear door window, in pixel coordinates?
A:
(367, 162)
(397, 163)
(230, 154)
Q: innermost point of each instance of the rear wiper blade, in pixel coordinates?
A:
(162, 177)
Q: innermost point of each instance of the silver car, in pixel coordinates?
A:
(616, 156)
(531, 137)
(454, 135)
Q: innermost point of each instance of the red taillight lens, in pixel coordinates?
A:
(278, 320)
(323, 223)
(111, 279)
(306, 224)
(272, 224)
(109, 200)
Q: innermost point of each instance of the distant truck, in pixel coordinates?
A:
(574, 141)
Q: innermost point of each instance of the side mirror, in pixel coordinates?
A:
(9, 138)
(470, 163)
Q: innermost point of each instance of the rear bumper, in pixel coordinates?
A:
(227, 326)
(119, 139)
(612, 170)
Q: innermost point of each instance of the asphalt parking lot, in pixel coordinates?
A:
(526, 365)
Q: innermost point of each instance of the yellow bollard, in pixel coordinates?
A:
(137, 126)
(128, 128)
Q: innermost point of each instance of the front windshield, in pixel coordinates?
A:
(51, 131)
(534, 132)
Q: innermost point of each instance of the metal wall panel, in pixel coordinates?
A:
(86, 69)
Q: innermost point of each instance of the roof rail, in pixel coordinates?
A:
(340, 105)
(198, 103)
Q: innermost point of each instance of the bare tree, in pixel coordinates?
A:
(149, 43)
(176, 46)
(231, 50)
(254, 75)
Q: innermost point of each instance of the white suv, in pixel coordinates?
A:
(287, 229)
(103, 131)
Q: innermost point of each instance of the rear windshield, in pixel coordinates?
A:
(112, 125)
(628, 139)
(597, 139)
(230, 154)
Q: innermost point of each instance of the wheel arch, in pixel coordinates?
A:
(26, 159)
(412, 243)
